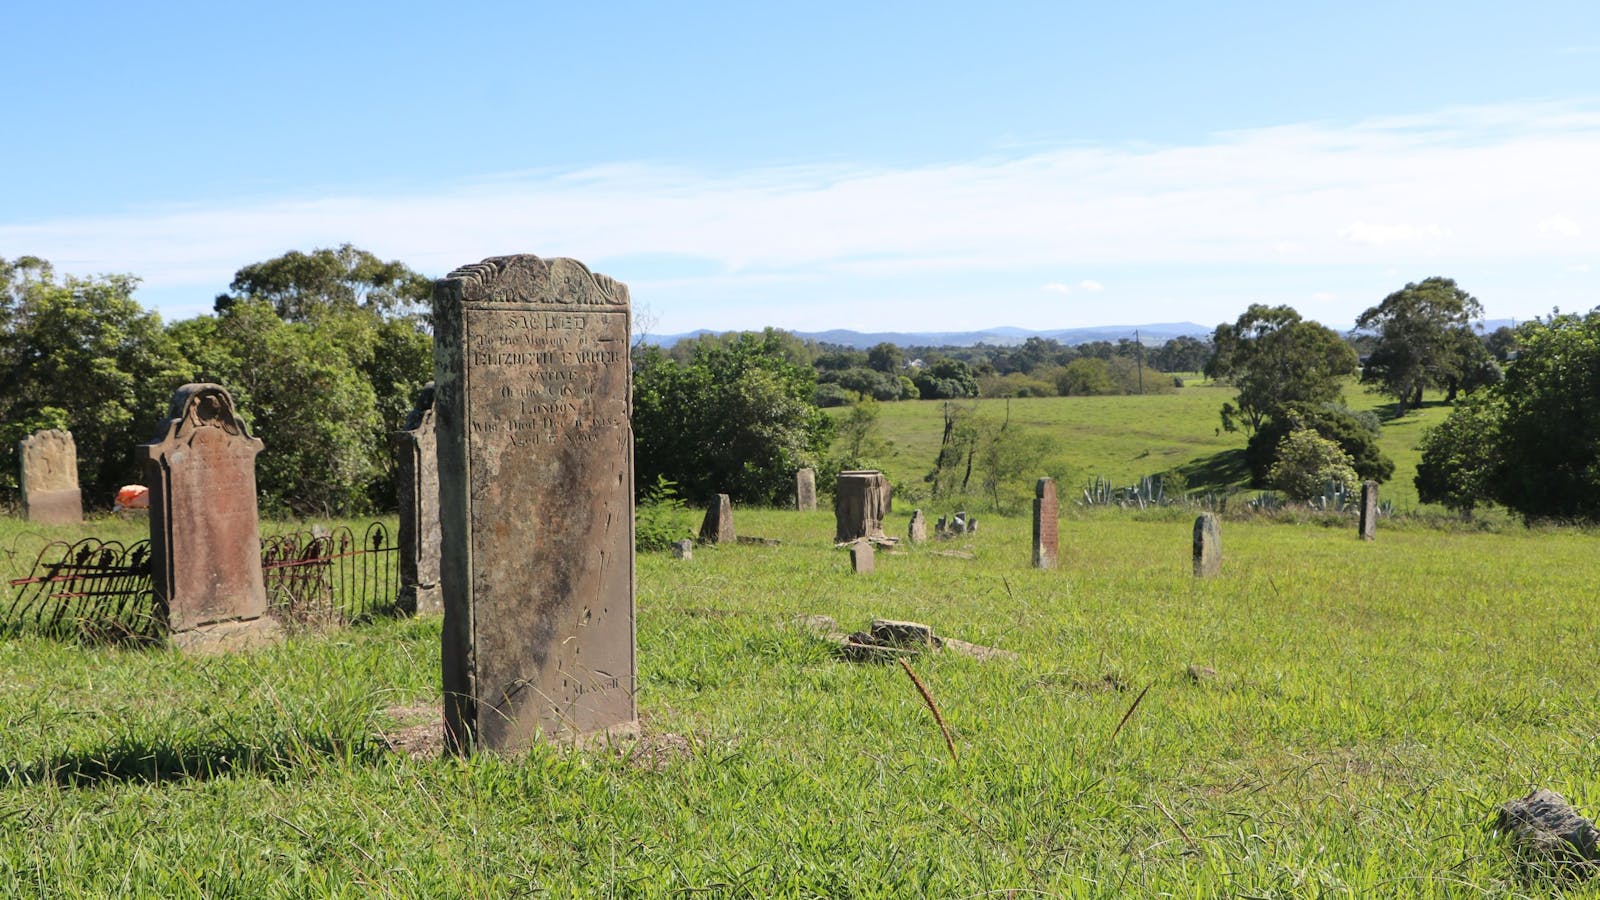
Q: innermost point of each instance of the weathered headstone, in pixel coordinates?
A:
(1207, 546)
(1046, 524)
(50, 494)
(939, 527)
(861, 557)
(860, 501)
(418, 487)
(972, 525)
(717, 526)
(1369, 510)
(205, 533)
(683, 549)
(805, 490)
(536, 502)
(917, 531)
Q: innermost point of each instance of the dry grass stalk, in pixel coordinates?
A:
(932, 707)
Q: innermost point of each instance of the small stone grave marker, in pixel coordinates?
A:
(861, 557)
(683, 549)
(1046, 524)
(717, 527)
(1369, 510)
(1207, 546)
(917, 531)
(805, 490)
(50, 494)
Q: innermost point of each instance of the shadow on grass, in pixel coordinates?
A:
(139, 762)
(1217, 472)
(1387, 413)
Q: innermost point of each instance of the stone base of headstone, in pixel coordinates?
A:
(860, 501)
(421, 600)
(220, 637)
(53, 507)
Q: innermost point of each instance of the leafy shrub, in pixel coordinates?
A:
(661, 518)
(1356, 434)
(1307, 463)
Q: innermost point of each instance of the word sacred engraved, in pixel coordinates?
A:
(549, 368)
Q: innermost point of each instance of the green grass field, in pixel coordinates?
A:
(1127, 437)
(1371, 705)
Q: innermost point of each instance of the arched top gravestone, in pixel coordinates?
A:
(205, 536)
(535, 455)
(50, 494)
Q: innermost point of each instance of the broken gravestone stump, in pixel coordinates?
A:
(1207, 546)
(50, 494)
(888, 639)
(1546, 832)
(683, 549)
(861, 500)
(717, 527)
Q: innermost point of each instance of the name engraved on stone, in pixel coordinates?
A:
(536, 501)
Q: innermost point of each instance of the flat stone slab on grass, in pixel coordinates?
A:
(1547, 832)
(889, 639)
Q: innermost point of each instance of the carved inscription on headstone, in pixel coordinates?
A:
(805, 490)
(205, 537)
(1207, 546)
(860, 501)
(418, 489)
(1369, 510)
(1046, 524)
(50, 494)
(536, 502)
(717, 526)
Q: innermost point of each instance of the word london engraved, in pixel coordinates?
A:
(535, 454)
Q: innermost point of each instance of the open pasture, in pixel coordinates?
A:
(1124, 438)
(1370, 706)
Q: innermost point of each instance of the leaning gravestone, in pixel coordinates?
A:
(860, 501)
(1369, 510)
(805, 490)
(418, 488)
(1207, 546)
(535, 502)
(1046, 524)
(717, 526)
(50, 494)
(205, 535)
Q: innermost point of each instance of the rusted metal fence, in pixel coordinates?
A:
(100, 591)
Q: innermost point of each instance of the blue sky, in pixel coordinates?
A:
(895, 166)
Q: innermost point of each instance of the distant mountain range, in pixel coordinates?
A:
(1148, 334)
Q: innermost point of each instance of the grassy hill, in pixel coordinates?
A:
(1127, 437)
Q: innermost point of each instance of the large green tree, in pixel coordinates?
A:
(300, 284)
(81, 353)
(1276, 359)
(736, 418)
(1423, 340)
(1531, 443)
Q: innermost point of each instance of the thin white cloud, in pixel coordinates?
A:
(1056, 287)
(1579, 267)
(1560, 226)
(1456, 185)
(1092, 286)
(1324, 296)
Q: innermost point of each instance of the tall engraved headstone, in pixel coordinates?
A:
(805, 490)
(1207, 546)
(418, 489)
(1369, 510)
(205, 535)
(1046, 524)
(50, 494)
(536, 502)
